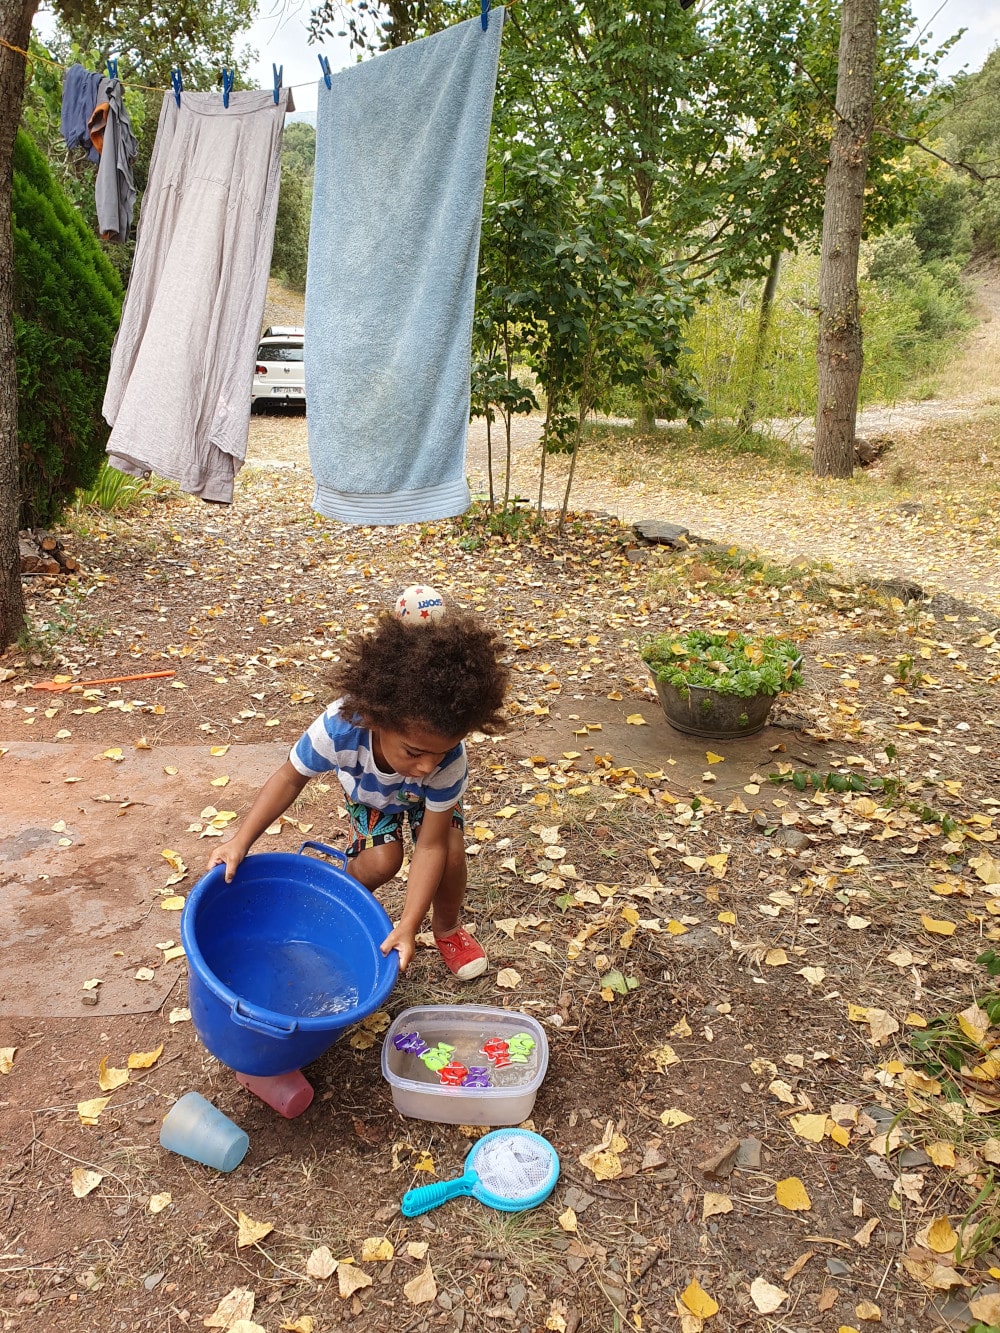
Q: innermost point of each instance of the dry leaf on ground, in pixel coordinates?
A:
(236, 1305)
(421, 1288)
(84, 1181)
(350, 1279)
(321, 1263)
(377, 1249)
(766, 1296)
(250, 1231)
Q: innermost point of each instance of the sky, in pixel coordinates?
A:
(280, 36)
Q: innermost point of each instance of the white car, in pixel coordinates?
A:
(279, 375)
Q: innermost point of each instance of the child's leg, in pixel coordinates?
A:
(376, 850)
(446, 906)
(463, 954)
(375, 866)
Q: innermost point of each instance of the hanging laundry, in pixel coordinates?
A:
(182, 364)
(80, 89)
(393, 250)
(110, 132)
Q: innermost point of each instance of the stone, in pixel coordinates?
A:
(720, 1165)
(658, 533)
(794, 839)
(749, 1156)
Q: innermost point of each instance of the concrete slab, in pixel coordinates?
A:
(682, 758)
(81, 866)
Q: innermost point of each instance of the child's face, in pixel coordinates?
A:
(413, 751)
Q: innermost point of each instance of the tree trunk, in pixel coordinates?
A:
(749, 413)
(489, 453)
(15, 28)
(839, 350)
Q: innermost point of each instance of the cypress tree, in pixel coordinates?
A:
(67, 305)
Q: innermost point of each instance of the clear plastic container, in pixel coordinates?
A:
(195, 1128)
(509, 1094)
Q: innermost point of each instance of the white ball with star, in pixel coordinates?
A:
(419, 604)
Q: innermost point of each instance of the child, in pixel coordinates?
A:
(408, 694)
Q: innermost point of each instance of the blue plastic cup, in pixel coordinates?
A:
(195, 1128)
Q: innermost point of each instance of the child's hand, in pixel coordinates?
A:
(402, 940)
(228, 854)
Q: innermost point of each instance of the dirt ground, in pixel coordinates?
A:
(770, 1086)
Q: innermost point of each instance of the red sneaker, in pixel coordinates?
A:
(464, 956)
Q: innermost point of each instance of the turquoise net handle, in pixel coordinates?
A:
(425, 1198)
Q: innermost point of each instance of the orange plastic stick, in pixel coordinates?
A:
(60, 686)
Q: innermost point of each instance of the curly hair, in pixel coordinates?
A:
(446, 676)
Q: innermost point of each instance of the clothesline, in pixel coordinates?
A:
(31, 58)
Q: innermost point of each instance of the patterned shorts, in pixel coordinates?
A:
(372, 828)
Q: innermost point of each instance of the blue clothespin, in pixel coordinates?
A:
(278, 72)
(485, 14)
(112, 68)
(228, 78)
(324, 64)
(177, 83)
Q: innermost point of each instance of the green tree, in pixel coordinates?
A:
(969, 131)
(199, 35)
(298, 149)
(291, 228)
(195, 36)
(67, 303)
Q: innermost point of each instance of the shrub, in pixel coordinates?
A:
(728, 662)
(67, 304)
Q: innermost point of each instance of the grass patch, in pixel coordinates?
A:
(733, 573)
(636, 454)
(116, 492)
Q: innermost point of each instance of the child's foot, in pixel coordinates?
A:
(464, 956)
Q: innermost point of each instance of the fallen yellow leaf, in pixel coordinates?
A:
(791, 1194)
(868, 1311)
(936, 927)
(674, 1117)
(696, 1299)
(251, 1231)
(941, 1153)
(145, 1059)
(7, 1058)
(109, 1079)
(940, 1236)
(89, 1111)
(377, 1249)
(811, 1127)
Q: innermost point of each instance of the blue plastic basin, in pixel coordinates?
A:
(283, 959)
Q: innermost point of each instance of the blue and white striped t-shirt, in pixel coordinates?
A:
(333, 743)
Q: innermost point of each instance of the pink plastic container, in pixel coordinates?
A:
(288, 1094)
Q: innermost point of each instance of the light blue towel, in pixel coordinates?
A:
(394, 243)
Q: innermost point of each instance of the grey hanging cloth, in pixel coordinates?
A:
(110, 132)
(182, 365)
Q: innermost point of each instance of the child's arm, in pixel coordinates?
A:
(273, 799)
(430, 855)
